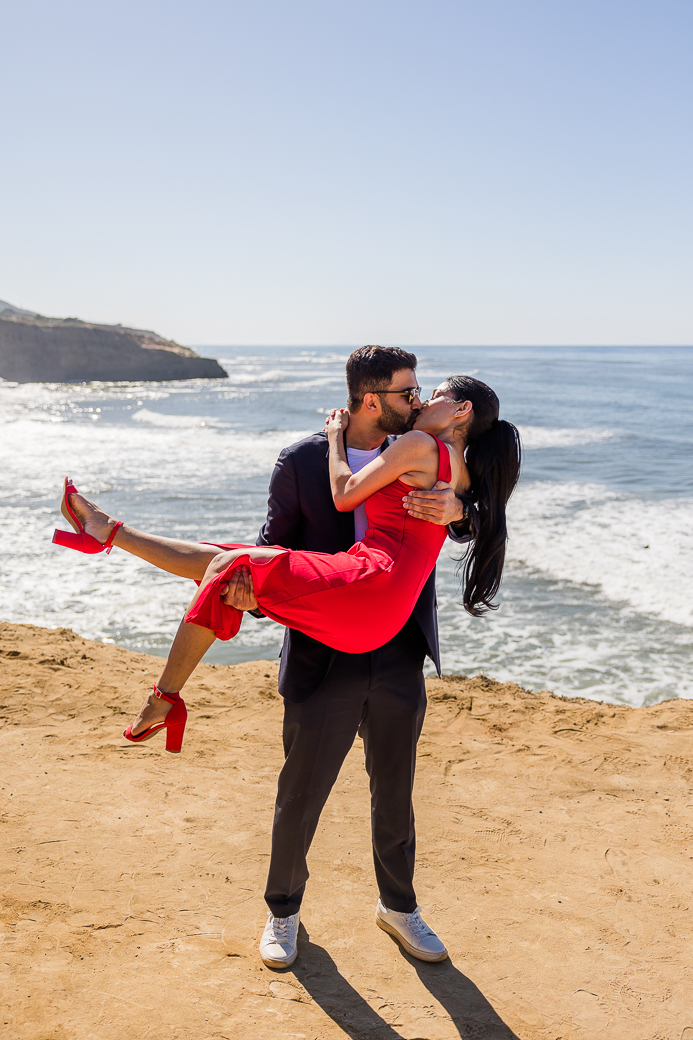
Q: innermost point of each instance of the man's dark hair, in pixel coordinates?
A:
(372, 368)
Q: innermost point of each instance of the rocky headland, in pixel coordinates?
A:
(37, 349)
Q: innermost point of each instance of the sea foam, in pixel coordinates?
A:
(545, 437)
(637, 552)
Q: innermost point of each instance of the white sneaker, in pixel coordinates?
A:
(412, 932)
(278, 943)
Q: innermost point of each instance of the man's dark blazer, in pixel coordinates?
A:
(301, 515)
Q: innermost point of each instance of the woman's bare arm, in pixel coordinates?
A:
(414, 455)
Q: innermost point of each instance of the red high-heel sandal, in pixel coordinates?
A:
(81, 541)
(174, 723)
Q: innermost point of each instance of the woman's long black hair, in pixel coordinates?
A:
(493, 459)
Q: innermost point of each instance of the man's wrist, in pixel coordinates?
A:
(462, 521)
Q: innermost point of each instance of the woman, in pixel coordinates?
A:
(352, 601)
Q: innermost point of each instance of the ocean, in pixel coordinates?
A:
(597, 598)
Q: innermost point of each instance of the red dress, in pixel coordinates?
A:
(353, 601)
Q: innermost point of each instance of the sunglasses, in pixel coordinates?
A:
(410, 392)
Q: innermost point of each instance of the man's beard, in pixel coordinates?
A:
(391, 421)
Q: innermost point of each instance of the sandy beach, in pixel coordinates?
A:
(554, 860)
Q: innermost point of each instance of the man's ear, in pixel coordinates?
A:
(371, 402)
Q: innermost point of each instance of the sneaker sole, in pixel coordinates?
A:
(271, 963)
(430, 957)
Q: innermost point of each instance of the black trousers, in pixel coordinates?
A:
(382, 696)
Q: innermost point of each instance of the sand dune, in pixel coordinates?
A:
(554, 859)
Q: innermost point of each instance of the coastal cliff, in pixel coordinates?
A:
(36, 349)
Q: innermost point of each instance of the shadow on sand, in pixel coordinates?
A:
(469, 1010)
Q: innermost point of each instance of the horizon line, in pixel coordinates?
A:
(415, 346)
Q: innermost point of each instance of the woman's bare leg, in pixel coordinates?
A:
(188, 649)
(191, 642)
(187, 559)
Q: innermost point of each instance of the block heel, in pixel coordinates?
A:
(83, 542)
(174, 723)
(174, 738)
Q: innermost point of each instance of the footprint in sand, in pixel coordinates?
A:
(618, 860)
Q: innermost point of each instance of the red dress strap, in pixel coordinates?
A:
(444, 467)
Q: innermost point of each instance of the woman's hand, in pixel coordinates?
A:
(337, 422)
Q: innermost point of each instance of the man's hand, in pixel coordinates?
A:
(440, 505)
(238, 592)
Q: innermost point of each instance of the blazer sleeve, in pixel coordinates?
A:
(284, 522)
(463, 534)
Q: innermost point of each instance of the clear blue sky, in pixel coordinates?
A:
(320, 172)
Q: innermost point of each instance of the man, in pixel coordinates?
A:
(330, 696)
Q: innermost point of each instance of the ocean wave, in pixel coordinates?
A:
(637, 552)
(297, 380)
(247, 375)
(175, 422)
(269, 375)
(311, 357)
(546, 437)
(149, 455)
(557, 635)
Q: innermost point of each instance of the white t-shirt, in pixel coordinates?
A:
(357, 459)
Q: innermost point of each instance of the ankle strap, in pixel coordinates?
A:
(170, 697)
(108, 544)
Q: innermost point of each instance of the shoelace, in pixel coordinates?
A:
(282, 928)
(418, 927)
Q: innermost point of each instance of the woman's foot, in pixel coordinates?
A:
(152, 713)
(94, 521)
